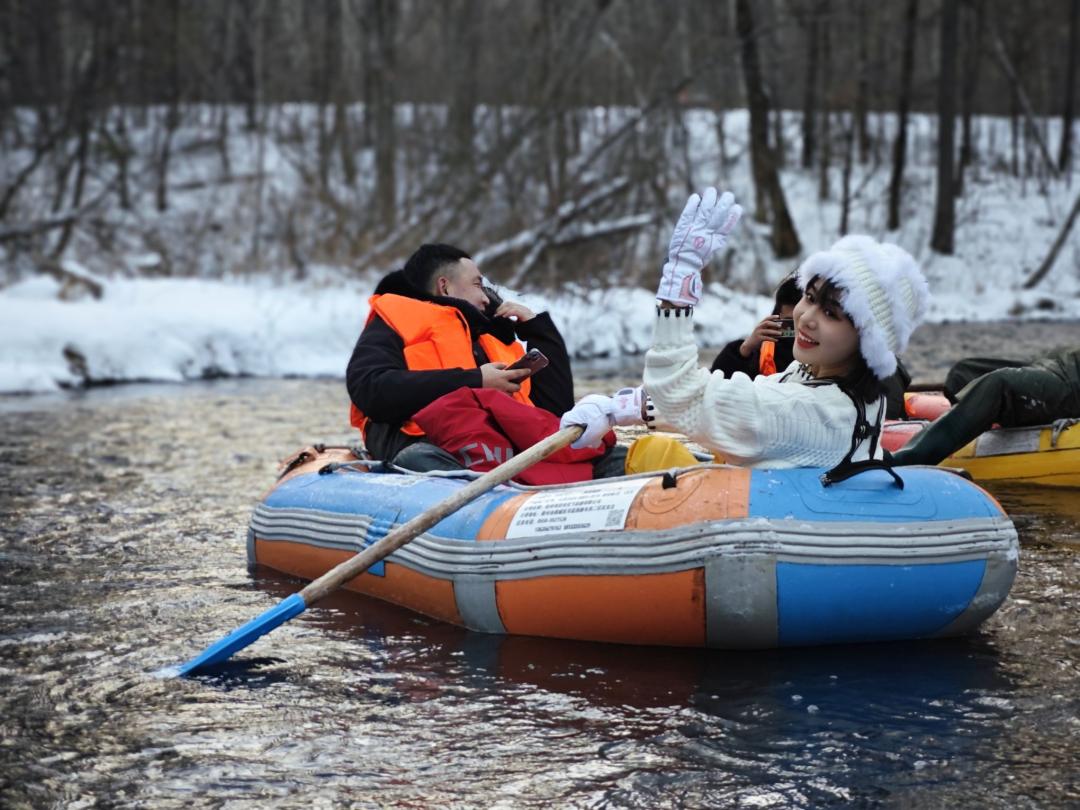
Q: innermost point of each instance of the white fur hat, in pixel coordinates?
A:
(882, 290)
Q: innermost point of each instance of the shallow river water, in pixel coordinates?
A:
(122, 542)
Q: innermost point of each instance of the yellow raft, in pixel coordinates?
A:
(1033, 455)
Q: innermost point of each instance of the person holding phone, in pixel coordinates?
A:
(769, 347)
(433, 327)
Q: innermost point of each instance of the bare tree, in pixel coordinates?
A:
(825, 149)
(172, 111)
(1012, 74)
(1065, 153)
(769, 193)
(862, 83)
(942, 237)
(811, 26)
(382, 50)
(845, 182)
(973, 26)
(462, 59)
(903, 106)
(1055, 248)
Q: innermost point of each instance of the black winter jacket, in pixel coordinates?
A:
(381, 385)
(730, 360)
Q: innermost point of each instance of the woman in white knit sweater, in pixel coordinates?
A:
(861, 301)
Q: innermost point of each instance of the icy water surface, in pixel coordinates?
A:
(122, 544)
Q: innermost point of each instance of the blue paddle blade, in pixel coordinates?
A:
(259, 626)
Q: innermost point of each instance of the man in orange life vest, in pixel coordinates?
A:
(433, 328)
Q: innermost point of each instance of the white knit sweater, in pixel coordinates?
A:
(754, 423)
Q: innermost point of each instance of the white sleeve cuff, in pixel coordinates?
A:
(674, 328)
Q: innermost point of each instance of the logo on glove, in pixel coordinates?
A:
(699, 242)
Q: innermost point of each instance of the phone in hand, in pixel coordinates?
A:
(533, 360)
(787, 327)
(494, 301)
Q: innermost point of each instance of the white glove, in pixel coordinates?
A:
(599, 414)
(702, 230)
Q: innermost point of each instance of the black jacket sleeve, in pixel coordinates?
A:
(553, 387)
(383, 387)
(729, 361)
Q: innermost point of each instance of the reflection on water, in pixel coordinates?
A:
(1052, 514)
(122, 531)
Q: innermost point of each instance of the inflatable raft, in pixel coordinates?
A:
(1040, 455)
(708, 557)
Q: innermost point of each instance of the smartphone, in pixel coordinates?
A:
(494, 301)
(533, 360)
(787, 327)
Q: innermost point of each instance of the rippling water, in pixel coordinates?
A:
(122, 539)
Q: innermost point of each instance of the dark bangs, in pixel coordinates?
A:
(828, 294)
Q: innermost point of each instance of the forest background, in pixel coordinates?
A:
(193, 189)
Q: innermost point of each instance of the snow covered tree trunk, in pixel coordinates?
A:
(907, 70)
(942, 237)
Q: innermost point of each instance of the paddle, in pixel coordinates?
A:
(337, 576)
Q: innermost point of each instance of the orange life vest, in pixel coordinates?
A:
(767, 358)
(436, 337)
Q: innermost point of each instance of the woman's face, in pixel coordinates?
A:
(825, 338)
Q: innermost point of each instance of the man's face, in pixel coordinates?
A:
(462, 280)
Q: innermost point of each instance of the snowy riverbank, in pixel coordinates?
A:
(175, 330)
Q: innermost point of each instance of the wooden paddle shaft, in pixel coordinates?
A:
(340, 574)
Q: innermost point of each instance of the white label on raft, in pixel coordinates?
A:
(586, 509)
(392, 480)
(1003, 442)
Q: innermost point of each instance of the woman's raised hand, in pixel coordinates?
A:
(701, 232)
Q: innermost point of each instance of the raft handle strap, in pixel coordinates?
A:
(360, 465)
(1058, 427)
(303, 457)
(863, 430)
(842, 472)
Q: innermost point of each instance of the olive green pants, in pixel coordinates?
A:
(1010, 397)
(969, 369)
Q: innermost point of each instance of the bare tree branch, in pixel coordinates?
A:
(1048, 262)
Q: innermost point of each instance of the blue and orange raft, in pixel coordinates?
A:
(713, 556)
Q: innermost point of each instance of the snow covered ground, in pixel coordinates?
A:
(171, 329)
